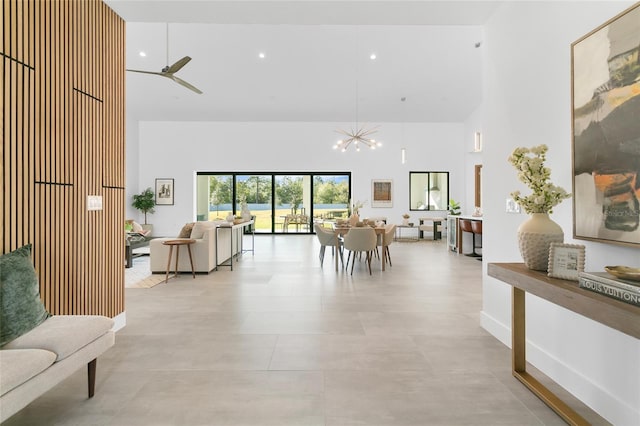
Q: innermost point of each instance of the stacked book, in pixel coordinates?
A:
(604, 283)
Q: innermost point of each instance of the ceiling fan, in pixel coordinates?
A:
(169, 71)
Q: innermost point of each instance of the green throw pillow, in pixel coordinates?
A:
(21, 308)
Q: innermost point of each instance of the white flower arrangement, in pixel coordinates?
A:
(533, 173)
(355, 207)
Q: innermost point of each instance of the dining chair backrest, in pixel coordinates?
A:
(389, 233)
(325, 236)
(361, 239)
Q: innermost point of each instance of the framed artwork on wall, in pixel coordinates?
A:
(381, 193)
(606, 131)
(164, 192)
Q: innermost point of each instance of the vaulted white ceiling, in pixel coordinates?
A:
(316, 58)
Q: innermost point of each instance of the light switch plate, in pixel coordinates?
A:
(512, 206)
(94, 202)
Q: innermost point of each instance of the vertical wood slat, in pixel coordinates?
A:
(62, 124)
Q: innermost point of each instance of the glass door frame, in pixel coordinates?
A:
(309, 209)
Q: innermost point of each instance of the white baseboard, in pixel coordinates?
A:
(500, 331)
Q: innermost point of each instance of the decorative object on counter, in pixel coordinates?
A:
(539, 231)
(405, 219)
(624, 272)
(230, 218)
(454, 207)
(477, 212)
(566, 261)
(603, 283)
(245, 212)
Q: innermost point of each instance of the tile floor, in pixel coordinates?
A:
(282, 341)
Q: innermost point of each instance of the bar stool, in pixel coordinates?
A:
(476, 226)
(467, 226)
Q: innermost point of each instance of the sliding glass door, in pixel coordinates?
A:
(281, 203)
(330, 196)
(256, 190)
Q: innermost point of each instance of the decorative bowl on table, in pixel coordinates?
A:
(410, 224)
(624, 272)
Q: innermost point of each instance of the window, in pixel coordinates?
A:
(428, 190)
(280, 202)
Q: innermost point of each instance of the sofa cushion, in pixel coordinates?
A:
(199, 228)
(19, 365)
(63, 334)
(21, 308)
(185, 232)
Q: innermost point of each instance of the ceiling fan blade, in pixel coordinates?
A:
(185, 84)
(147, 72)
(178, 65)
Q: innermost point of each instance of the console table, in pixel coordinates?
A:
(245, 228)
(613, 313)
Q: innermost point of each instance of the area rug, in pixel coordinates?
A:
(147, 282)
(140, 276)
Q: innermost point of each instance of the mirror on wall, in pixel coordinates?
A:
(428, 190)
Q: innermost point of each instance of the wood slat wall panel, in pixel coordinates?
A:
(62, 80)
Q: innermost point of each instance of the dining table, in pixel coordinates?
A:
(341, 231)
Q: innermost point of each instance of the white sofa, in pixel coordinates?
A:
(203, 251)
(35, 362)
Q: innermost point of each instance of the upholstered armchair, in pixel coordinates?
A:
(357, 240)
(326, 237)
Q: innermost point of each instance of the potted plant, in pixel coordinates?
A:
(144, 202)
(454, 207)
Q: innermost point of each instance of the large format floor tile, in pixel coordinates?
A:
(282, 341)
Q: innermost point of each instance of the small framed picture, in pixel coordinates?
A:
(566, 261)
(381, 193)
(164, 192)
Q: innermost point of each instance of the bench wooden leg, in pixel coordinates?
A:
(91, 372)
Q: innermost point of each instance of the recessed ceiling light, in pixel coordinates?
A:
(373, 56)
(143, 54)
(261, 55)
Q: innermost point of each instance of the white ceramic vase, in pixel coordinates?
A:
(535, 235)
(246, 213)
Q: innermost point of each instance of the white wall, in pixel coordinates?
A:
(179, 149)
(527, 102)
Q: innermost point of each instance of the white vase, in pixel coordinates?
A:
(405, 222)
(535, 235)
(246, 213)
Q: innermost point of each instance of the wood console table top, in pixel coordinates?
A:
(613, 313)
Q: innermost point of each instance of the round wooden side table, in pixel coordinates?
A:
(177, 244)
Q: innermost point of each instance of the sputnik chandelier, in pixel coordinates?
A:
(358, 135)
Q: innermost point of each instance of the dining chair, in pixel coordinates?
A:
(327, 237)
(360, 240)
(386, 239)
